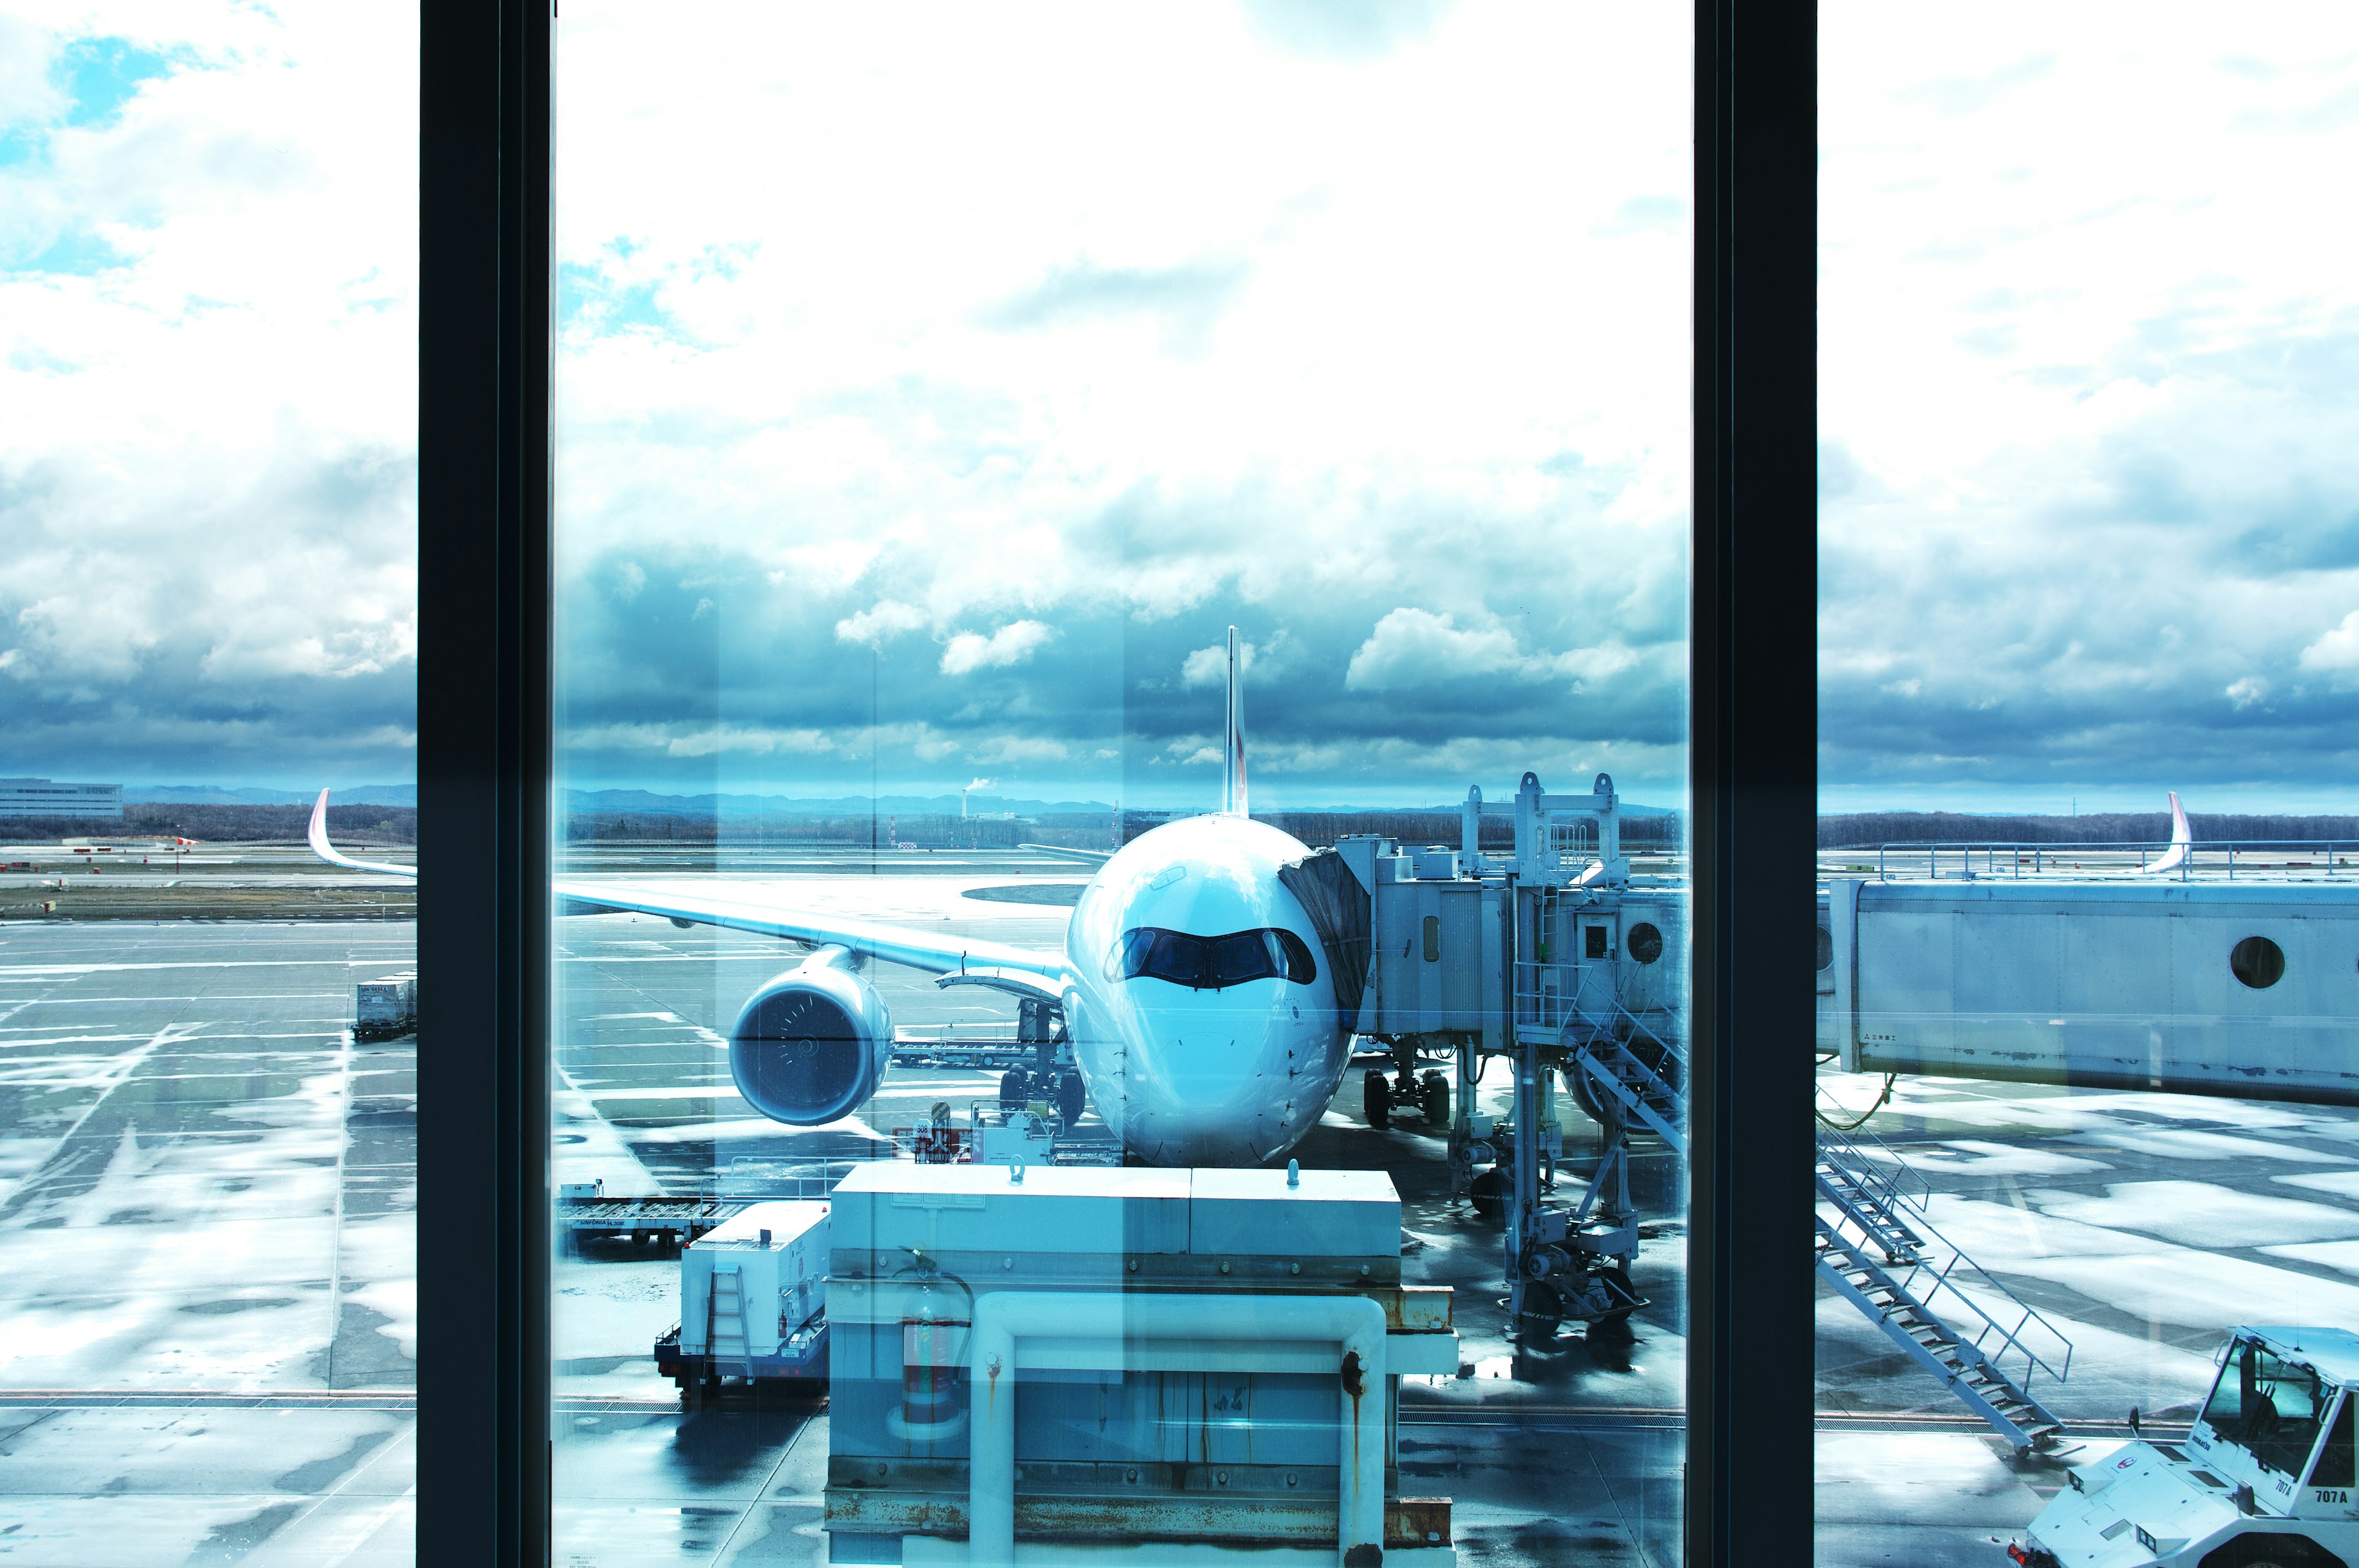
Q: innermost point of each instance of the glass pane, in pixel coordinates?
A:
(2088, 909)
(1056, 507)
(208, 1170)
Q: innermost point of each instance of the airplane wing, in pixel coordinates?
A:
(940, 954)
(1095, 856)
(2182, 841)
(327, 852)
(991, 963)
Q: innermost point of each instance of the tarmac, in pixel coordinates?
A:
(207, 1193)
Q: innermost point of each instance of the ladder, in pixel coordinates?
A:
(732, 1318)
(1875, 1246)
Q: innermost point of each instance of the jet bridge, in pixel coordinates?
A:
(2248, 988)
(1553, 959)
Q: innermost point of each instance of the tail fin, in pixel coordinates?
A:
(2182, 839)
(1233, 767)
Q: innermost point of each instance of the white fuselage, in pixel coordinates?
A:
(1209, 1074)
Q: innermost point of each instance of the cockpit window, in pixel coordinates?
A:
(2268, 1406)
(1211, 963)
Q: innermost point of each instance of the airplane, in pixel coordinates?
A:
(1193, 986)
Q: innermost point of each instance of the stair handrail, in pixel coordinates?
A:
(1891, 1175)
(2008, 1340)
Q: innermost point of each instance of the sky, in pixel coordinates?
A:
(935, 386)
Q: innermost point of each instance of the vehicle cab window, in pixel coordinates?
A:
(2337, 1464)
(2268, 1406)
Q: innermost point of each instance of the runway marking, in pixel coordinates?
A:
(128, 1064)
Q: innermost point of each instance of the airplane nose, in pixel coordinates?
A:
(1207, 1084)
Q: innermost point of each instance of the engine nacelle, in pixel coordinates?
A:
(812, 1043)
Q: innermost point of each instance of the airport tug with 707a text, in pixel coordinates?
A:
(2263, 1480)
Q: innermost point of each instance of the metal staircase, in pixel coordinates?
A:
(729, 1316)
(1875, 1246)
(1641, 1092)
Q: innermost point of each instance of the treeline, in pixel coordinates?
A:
(1497, 829)
(381, 825)
(1865, 829)
(930, 831)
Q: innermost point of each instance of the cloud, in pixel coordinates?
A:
(1018, 750)
(707, 743)
(879, 624)
(2336, 651)
(1416, 647)
(1013, 643)
(208, 397)
(1209, 666)
(2088, 437)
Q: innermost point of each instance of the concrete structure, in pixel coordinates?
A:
(1125, 1365)
(48, 797)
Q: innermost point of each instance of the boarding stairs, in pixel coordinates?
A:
(725, 1340)
(1875, 1246)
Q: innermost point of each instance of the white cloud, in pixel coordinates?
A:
(1019, 750)
(1012, 644)
(2336, 651)
(713, 740)
(1416, 647)
(879, 624)
(1209, 666)
(2248, 692)
(208, 394)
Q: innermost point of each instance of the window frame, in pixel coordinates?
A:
(485, 723)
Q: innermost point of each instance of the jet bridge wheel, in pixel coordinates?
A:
(1433, 1094)
(1377, 1099)
(1488, 1193)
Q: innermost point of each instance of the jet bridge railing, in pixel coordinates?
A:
(1586, 997)
(2274, 857)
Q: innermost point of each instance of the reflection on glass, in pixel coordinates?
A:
(1064, 518)
(2087, 913)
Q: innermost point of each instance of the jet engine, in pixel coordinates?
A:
(811, 1045)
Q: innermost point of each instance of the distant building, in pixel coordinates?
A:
(45, 797)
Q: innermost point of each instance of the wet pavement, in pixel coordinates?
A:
(207, 1278)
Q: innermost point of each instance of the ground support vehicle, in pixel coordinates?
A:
(753, 1303)
(2263, 1480)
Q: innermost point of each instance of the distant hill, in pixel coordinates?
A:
(646, 803)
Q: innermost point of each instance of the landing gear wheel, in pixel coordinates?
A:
(1072, 1097)
(1013, 1090)
(1376, 1099)
(1433, 1091)
(1488, 1193)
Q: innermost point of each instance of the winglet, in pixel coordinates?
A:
(329, 854)
(2182, 839)
(1233, 767)
(320, 845)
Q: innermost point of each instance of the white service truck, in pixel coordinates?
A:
(2263, 1480)
(752, 1302)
